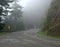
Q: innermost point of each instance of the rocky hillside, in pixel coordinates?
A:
(52, 25)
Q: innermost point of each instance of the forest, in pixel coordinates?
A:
(29, 23)
(10, 16)
(52, 23)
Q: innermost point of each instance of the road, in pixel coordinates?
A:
(27, 38)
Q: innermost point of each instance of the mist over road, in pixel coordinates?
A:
(35, 11)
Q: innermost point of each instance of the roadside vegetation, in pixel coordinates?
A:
(52, 25)
(3, 33)
(45, 34)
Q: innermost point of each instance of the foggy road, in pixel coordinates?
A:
(27, 38)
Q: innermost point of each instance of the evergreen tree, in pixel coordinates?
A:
(4, 5)
(16, 17)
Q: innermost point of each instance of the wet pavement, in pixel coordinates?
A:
(28, 38)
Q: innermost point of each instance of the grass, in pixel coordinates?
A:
(2, 33)
(44, 34)
(41, 33)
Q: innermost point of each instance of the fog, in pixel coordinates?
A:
(33, 14)
(35, 10)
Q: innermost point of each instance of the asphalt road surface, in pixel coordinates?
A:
(27, 38)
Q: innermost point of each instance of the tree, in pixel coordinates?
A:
(15, 19)
(4, 5)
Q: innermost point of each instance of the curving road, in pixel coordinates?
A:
(27, 38)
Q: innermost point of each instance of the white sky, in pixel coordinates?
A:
(23, 3)
(34, 9)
